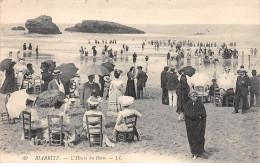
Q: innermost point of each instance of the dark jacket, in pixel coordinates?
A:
(87, 91)
(163, 79)
(194, 112)
(182, 92)
(242, 85)
(171, 81)
(141, 79)
(255, 84)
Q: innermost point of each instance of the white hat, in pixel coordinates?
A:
(93, 101)
(125, 100)
(56, 72)
(107, 78)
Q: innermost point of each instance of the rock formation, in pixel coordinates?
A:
(42, 25)
(94, 26)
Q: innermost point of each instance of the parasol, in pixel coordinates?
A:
(48, 98)
(189, 70)
(17, 103)
(68, 70)
(94, 70)
(200, 79)
(109, 66)
(5, 64)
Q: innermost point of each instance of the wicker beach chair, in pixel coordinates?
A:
(4, 113)
(128, 136)
(217, 98)
(37, 85)
(55, 131)
(95, 135)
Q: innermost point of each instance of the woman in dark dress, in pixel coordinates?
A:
(9, 85)
(182, 92)
(130, 86)
(195, 119)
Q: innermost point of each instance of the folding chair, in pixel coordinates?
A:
(55, 130)
(128, 136)
(37, 85)
(94, 127)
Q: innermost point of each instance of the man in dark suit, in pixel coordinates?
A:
(57, 83)
(242, 84)
(141, 80)
(165, 99)
(89, 88)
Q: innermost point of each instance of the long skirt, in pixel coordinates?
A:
(113, 106)
(9, 85)
(130, 88)
(196, 135)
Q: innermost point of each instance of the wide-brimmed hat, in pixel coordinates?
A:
(56, 72)
(139, 67)
(107, 79)
(193, 93)
(126, 100)
(242, 69)
(93, 101)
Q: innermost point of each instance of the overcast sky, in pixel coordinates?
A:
(134, 11)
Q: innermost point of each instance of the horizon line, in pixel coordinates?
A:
(158, 24)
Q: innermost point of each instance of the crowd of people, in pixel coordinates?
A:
(177, 91)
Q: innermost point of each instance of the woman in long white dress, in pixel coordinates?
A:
(20, 69)
(115, 91)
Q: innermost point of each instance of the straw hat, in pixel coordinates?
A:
(107, 79)
(56, 72)
(93, 101)
(126, 100)
(242, 69)
(32, 98)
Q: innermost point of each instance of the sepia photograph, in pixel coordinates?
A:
(129, 81)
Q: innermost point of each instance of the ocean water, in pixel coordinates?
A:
(65, 47)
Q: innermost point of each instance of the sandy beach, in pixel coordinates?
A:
(229, 137)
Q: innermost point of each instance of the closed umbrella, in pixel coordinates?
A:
(94, 70)
(48, 98)
(109, 66)
(17, 103)
(5, 64)
(68, 71)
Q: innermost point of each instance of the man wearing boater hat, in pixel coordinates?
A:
(242, 84)
(56, 83)
(141, 80)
